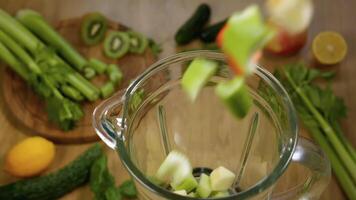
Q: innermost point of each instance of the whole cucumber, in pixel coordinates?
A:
(194, 25)
(209, 33)
(56, 184)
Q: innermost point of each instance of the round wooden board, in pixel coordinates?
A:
(27, 110)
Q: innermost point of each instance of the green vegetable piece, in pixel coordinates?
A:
(128, 189)
(138, 42)
(244, 34)
(63, 112)
(197, 75)
(194, 25)
(56, 184)
(89, 73)
(114, 73)
(193, 194)
(235, 96)
(181, 192)
(116, 44)
(220, 194)
(210, 33)
(14, 64)
(97, 65)
(175, 169)
(204, 187)
(93, 28)
(72, 93)
(112, 193)
(38, 25)
(100, 178)
(188, 184)
(107, 90)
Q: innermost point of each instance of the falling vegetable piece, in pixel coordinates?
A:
(329, 48)
(242, 37)
(198, 73)
(93, 28)
(235, 95)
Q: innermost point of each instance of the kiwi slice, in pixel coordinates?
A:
(138, 42)
(93, 28)
(116, 44)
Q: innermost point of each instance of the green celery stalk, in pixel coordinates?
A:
(330, 133)
(12, 27)
(19, 52)
(37, 24)
(339, 169)
(10, 59)
(25, 38)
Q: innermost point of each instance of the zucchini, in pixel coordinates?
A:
(56, 184)
(209, 33)
(194, 25)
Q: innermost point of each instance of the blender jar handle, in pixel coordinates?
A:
(314, 159)
(104, 127)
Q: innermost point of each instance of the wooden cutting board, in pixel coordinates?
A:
(27, 110)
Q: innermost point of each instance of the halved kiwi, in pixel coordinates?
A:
(116, 44)
(138, 42)
(93, 28)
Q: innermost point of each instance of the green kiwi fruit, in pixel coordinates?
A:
(138, 42)
(93, 28)
(116, 44)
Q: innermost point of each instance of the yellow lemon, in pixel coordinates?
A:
(29, 157)
(329, 48)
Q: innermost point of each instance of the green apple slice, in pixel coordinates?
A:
(174, 169)
(181, 192)
(197, 75)
(235, 96)
(188, 184)
(204, 187)
(220, 194)
(221, 179)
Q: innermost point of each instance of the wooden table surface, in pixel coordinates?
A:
(159, 19)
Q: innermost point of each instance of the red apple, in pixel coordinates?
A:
(285, 43)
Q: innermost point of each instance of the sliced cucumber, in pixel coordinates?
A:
(235, 95)
(196, 76)
(175, 169)
(204, 187)
(221, 179)
(181, 192)
(188, 184)
(116, 44)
